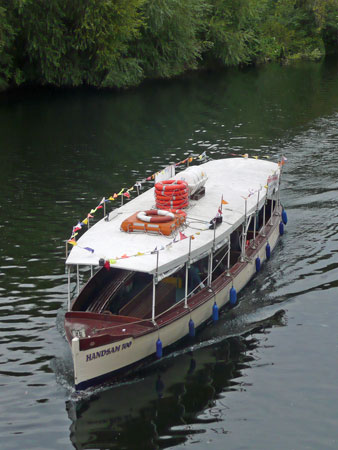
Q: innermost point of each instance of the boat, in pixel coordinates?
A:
(148, 289)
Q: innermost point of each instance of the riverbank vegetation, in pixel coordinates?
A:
(119, 43)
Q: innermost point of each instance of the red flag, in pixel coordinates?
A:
(182, 236)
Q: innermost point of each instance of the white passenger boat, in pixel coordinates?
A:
(167, 261)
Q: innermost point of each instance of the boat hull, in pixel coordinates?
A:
(96, 361)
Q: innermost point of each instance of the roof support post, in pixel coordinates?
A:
(187, 266)
(271, 212)
(263, 225)
(211, 254)
(77, 279)
(228, 259)
(244, 228)
(68, 288)
(155, 281)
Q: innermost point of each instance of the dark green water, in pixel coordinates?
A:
(263, 377)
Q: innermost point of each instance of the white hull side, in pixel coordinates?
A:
(112, 357)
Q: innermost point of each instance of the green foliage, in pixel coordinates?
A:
(118, 43)
(170, 43)
(6, 41)
(231, 32)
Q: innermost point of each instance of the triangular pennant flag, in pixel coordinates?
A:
(120, 193)
(93, 211)
(90, 216)
(112, 261)
(72, 241)
(85, 221)
(139, 254)
(182, 236)
(111, 198)
(126, 194)
(224, 202)
(124, 256)
(102, 201)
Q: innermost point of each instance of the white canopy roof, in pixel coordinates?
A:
(234, 179)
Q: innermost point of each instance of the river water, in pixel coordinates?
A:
(264, 376)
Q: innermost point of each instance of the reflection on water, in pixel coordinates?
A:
(158, 408)
(61, 151)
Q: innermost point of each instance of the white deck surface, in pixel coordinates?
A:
(233, 178)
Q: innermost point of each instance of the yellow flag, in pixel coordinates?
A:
(139, 254)
(121, 191)
(85, 221)
(112, 261)
(72, 241)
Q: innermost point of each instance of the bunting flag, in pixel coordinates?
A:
(72, 241)
(138, 185)
(77, 227)
(283, 160)
(182, 236)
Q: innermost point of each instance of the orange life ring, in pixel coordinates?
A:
(178, 211)
(171, 185)
(155, 216)
(159, 195)
(172, 205)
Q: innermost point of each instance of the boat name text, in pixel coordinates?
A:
(108, 351)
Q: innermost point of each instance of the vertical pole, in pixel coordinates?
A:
(186, 285)
(77, 279)
(210, 268)
(244, 232)
(155, 277)
(153, 305)
(271, 212)
(263, 226)
(104, 206)
(255, 221)
(228, 261)
(68, 288)
(91, 271)
(187, 276)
